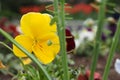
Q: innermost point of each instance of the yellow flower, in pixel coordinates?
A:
(39, 37)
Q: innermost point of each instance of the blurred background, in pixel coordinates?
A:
(81, 21)
(13, 8)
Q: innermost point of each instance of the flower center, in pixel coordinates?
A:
(35, 42)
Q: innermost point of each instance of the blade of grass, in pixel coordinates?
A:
(101, 17)
(112, 51)
(33, 58)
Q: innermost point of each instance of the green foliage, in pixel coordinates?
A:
(29, 73)
(9, 14)
(85, 48)
(83, 16)
(11, 63)
(32, 72)
(56, 70)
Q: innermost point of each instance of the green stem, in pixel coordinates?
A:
(63, 42)
(61, 32)
(33, 58)
(2, 43)
(112, 51)
(101, 17)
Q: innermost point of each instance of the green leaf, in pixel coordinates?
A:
(53, 20)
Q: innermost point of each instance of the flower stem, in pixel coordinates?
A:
(63, 43)
(112, 51)
(101, 17)
(33, 58)
(61, 32)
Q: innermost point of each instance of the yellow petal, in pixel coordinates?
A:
(36, 24)
(24, 41)
(53, 38)
(45, 52)
(44, 55)
(1, 65)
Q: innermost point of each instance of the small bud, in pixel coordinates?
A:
(53, 20)
(49, 42)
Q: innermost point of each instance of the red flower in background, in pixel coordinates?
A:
(82, 77)
(70, 41)
(81, 7)
(34, 8)
(11, 28)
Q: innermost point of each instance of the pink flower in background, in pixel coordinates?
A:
(97, 75)
(86, 76)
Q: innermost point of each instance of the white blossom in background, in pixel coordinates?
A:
(117, 66)
(85, 34)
